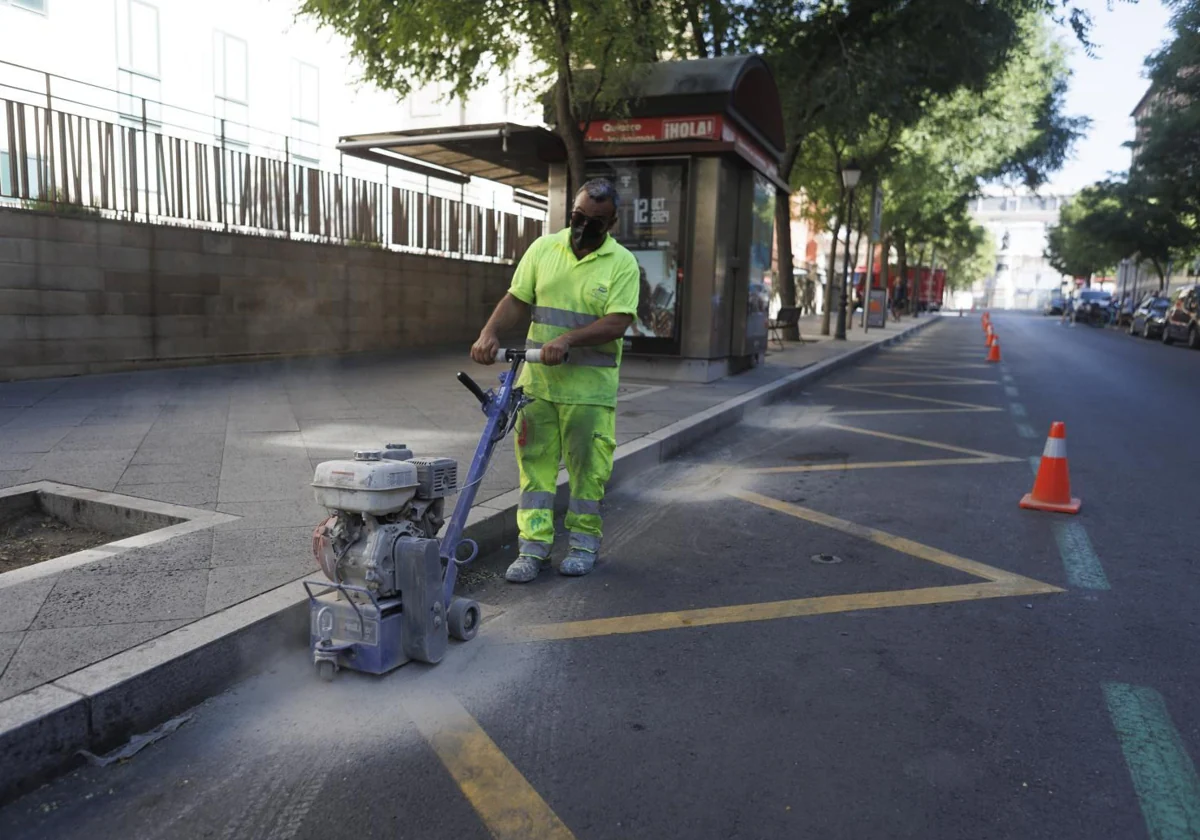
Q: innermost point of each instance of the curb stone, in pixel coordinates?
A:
(98, 707)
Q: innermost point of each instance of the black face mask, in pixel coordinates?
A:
(587, 233)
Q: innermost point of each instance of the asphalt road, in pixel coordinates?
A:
(959, 669)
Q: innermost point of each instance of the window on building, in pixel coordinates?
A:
(231, 88)
(38, 6)
(306, 112)
(139, 50)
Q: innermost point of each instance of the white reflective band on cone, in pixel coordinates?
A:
(1055, 448)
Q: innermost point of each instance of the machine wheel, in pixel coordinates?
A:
(326, 670)
(463, 619)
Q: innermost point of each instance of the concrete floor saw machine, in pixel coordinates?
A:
(389, 594)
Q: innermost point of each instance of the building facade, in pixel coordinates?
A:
(1018, 222)
(249, 67)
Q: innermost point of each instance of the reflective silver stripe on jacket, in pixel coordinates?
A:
(585, 356)
(565, 318)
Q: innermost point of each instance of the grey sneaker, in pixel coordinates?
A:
(524, 569)
(578, 562)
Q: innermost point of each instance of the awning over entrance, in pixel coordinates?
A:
(507, 153)
(695, 107)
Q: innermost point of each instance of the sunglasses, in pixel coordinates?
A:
(592, 224)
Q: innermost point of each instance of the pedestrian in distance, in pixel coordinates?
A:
(580, 289)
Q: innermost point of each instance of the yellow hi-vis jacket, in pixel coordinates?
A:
(566, 294)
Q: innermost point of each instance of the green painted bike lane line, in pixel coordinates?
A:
(1164, 777)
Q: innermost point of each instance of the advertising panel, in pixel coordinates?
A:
(651, 223)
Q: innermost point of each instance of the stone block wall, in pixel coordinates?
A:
(92, 295)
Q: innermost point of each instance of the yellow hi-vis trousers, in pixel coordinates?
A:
(582, 437)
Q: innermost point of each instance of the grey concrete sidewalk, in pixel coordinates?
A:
(243, 440)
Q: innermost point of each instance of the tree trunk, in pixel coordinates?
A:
(572, 137)
(783, 238)
(831, 274)
(915, 291)
(885, 274)
(783, 245)
(858, 235)
(902, 261)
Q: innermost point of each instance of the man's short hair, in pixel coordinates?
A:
(601, 189)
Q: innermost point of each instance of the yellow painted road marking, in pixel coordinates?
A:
(901, 544)
(878, 465)
(508, 805)
(744, 613)
(1000, 584)
(861, 390)
(923, 366)
(991, 456)
(941, 377)
(911, 384)
(867, 411)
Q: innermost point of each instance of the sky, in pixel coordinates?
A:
(1106, 87)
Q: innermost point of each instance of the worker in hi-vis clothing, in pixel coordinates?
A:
(580, 289)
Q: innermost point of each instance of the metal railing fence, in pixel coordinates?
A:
(108, 154)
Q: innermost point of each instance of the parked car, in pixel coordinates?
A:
(1054, 306)
(1123, 310)
(1181, 322)
(1149, 316)
(1092, 307)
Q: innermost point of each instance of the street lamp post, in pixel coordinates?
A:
(850, 175)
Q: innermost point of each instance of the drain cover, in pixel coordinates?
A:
(826, 559)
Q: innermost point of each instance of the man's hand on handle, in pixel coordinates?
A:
(555, 352)
(485, 348)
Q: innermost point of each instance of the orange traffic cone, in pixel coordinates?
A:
(991, 338)
(994, 352)
(1052, 487)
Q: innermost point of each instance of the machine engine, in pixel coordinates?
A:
(376, 501)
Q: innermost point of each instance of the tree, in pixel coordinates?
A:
(969, 255)
(1014, 130)
(1111, 220)
(1168, 156)
(1090, 234)
(543, 44)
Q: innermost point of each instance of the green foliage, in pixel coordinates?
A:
(1111, 220)
(61, 206)
(406, 44)
(1168, 161)
(1014, 130)
(968, 253)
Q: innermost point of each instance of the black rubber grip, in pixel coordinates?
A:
(470, 385)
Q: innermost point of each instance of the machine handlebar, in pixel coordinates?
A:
(529, 357)
(473, 387)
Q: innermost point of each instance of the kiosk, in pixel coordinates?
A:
(695, 160)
